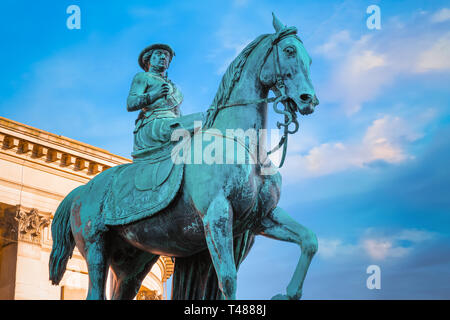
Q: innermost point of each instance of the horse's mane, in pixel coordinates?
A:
(230, 78)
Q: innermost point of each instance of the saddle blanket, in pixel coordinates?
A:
(141, 189)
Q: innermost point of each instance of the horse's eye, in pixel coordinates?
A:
(289, 51)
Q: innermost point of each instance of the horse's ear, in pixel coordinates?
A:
(277, 23)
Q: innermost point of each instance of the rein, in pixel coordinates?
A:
(289, 110)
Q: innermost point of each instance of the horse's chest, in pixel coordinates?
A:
(266, 196)
(269, 194)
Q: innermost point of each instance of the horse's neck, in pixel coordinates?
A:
(251, 116)
(247, 116)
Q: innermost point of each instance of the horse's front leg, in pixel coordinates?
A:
(279, 225)
(218, 225)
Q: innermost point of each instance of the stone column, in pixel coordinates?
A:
(24, 269)
(8, 251)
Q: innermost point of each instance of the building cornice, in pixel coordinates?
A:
(34, 146)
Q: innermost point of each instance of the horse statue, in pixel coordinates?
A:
(203, 215)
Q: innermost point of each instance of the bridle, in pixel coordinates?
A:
(279, 88)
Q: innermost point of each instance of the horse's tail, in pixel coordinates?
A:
(63, 241)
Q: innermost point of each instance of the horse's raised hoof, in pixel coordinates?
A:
(280, 297)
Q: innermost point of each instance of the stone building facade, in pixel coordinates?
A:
(37, 170)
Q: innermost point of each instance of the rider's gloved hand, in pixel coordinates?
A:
(162, 90)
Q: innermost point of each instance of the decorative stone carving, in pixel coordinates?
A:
(11, 143)
(24, 147)
(147, 294)
(30, 225)
(81, 164)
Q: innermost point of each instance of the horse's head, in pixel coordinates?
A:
(286, 68)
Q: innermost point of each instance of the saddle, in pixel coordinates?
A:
(141, 189)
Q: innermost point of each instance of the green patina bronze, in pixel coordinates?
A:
(203, 214)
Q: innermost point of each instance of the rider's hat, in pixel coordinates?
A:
(143, 63)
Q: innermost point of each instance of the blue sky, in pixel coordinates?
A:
(368, 171)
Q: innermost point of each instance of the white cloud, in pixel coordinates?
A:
(414, 235)
(362, 68)
(335, 43)
(359, 71)
(383, 247)
(380, 249)
(375, 246)
(366, 61)
(441, 16)
(386, 139)
(235, 48)
(331, 248)
(234, 33)
(437, 58)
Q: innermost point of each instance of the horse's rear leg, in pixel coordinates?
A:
(279, 225)
(130, 266)
(97, 268)
(218, 225)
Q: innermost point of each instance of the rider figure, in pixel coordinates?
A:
(157, 98)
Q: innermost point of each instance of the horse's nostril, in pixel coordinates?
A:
(305, 97)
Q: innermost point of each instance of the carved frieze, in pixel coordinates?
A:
(30, 224)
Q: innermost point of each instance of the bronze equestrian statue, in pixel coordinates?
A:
(205, 215)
